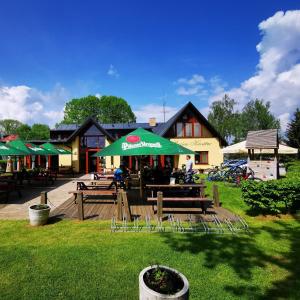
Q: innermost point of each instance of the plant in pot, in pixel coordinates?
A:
(160, 282)
(39, 214)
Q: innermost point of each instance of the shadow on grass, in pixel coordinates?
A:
(244, 255)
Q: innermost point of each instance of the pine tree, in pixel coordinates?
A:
(293, 130)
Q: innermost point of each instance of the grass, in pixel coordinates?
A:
(83, 260)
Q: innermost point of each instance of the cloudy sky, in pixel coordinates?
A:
(148, 52)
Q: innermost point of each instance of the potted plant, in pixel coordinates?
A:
(161, 282)
(39, 214)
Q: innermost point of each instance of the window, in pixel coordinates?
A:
(197, 130)
(188, 129)
(201, 157)
(179, 129)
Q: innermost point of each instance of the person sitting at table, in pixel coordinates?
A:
(122, 174)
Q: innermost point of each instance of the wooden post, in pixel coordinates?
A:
(119, 206)
(44, 197)
(216, 196)
(159, 205)
(202, 189)
(80, 206)
(127, 212)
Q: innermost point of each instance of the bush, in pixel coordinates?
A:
(3, 164)
(293, 169)
(272, 196)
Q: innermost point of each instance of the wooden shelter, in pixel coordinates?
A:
(260, 140)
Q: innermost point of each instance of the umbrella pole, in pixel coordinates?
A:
(141, 179)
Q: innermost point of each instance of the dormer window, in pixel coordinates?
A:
(188, 129)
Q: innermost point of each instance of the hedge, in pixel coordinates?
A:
(272, 196)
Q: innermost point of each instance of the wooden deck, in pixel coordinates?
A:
(105, 209)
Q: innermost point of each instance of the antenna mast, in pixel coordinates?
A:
(164, 110)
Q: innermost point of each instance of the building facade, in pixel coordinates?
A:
(188, 127)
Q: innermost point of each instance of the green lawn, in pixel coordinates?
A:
(83, 260)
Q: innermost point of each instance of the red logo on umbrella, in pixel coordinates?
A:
(133, 139)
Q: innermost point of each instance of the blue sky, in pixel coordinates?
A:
(144, 51)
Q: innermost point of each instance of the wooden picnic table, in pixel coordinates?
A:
(200, 186)
(200, 197)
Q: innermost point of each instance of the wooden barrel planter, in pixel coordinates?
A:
(162, 283)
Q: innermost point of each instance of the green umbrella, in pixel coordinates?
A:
(6, 150)
(143, 142)
(57, 150)
(30, 148)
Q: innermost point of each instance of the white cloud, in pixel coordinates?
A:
(143, 113)
(190, 86)
(278, 73)
(30, 105)
(113, 72)
(188, 91)
(195, 79)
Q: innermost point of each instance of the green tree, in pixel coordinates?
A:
(224, 117)
(293, 130)
(9, 126)
(77, 110)
(115, 110)
(256, 115)
(39, 132)
(107, 109)
(23, 131)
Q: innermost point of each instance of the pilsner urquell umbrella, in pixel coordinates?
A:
(57, 150)
(6, 150)
(30, 149)
(142, 142)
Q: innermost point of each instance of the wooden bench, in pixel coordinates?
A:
(123, 208)
(99, 192)
(204, 202)
(109, 186)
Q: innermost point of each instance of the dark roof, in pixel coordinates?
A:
(66, 127)
(125, 126)
(87, 122)
(262, 139)
(163, 129)
(118, 126)
(160, 128)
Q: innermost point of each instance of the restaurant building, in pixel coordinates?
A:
(188, 127)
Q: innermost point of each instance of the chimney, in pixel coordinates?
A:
(152, 122)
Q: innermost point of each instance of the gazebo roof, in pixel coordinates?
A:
(262, 139)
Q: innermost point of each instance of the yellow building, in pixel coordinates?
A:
(188, 127)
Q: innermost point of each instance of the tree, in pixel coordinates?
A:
(107, 109)
(9, 126)
(40, 132)
(256, 115)
(77, 110)
(115, 110)
(23, 131)
(293, 130)
(224, 117)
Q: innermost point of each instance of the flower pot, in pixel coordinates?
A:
(147, 293)
(38, 214)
